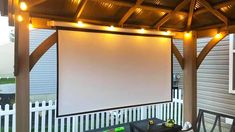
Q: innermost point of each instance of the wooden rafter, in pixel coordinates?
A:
(208, 48)
(166, 17)
(80, 10)
(217, 6)
(145, 7)
(178, 56)
(214, 11)
(41, 50)
(190, 14)
(130, 12)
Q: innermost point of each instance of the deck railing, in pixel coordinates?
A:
(42, 116)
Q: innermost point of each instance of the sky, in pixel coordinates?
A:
(4, 31)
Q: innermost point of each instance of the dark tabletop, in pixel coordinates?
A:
(142, 126)
(158, 126)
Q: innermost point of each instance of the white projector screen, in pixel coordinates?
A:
(102, 71)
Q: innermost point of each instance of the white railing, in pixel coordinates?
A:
(42, 116)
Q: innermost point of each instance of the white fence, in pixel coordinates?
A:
(42, 116)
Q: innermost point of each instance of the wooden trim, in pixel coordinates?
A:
(209, 47)
(218, 6)
(178, 56)
(214, 11)
(190, 15)
(22, 74)
(166, 17)
(190, 77)
(130, 12)
(79, 11)
(41, 50)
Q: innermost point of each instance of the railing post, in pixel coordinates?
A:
(143, 112)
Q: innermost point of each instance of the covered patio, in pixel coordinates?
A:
(186, 20)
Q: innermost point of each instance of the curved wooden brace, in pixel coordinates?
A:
(209, 47)
(41, 50)
(178, 56)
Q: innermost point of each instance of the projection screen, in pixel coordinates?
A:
(103, 71)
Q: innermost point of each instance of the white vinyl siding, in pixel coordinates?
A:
(43, 75)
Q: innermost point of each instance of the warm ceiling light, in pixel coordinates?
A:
(30, 26)
(111, 28)
(80, 24)
(167, 32)
(142, 30)
(23, 6)
(187, 34)
(218, 35)
(19, 18)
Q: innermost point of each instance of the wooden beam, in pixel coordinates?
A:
(214, 11)
(53, 17)
(22, 72)
(11, 11)
(178, 56)
(166, 17)
(215, 40)
(217, 6)
(130, 12)
(2, 7)
(190, 14)
(42, 49)
(98, 22)
(80, 10)
(190, 77)
(40, 23)
(33, 3)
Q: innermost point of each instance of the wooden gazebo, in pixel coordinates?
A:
(182, 19)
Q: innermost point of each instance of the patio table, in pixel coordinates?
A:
(141, 126)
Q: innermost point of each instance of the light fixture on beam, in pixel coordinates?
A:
(30, 25)
(167, 32)
(187, 34)
(218, 35)
(19, 18)
(111, 28)
(80, 24)
(142, 30)
(23, 6)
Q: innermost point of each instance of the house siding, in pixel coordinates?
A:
(43, 74)
(213, 79)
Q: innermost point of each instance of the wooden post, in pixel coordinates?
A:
(190, 77)
(22, 72)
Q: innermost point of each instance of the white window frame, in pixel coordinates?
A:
(231, 63)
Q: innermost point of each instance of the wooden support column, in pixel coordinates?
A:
(22, 72)
(190, 77)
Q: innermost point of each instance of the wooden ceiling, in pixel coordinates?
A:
(177, 15)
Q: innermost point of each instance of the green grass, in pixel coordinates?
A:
(7, 81)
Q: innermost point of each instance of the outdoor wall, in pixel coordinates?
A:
(43, 75)
(212, 79)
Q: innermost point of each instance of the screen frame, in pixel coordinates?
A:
(109, 32)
